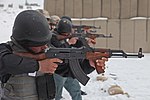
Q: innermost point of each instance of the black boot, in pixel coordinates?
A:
(83, 93)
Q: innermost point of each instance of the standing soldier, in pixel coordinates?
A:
(29, 39)
(30, 36)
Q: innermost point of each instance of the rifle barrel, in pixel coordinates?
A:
(121, 53)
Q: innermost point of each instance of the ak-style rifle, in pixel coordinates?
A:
(84, 35)
(85, 27)
(72, 56)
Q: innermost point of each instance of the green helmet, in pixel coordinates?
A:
(54, 19)
(31, 29)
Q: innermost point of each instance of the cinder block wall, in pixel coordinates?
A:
(129, 33)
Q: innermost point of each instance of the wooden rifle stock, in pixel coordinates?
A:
(37, 57)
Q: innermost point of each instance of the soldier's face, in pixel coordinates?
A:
(53, 26)
(39, 49)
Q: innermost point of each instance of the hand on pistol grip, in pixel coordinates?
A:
(49, 65)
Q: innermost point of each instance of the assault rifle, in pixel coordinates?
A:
(85, 27)
(72, 56)
(82, 28)
(84, 35)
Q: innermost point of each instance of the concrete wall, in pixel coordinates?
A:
(129, 33)
(112, 9)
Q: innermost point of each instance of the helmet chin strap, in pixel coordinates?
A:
(16, 43)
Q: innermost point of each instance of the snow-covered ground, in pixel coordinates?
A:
(132, 75)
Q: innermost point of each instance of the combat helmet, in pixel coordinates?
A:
(64, 26)
(66, 17)
(31, 29)
(44, 12)
(54, 19)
